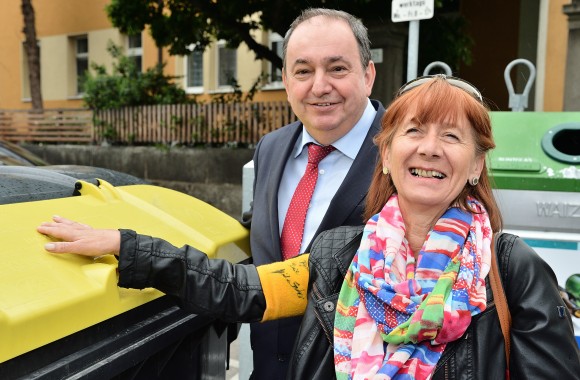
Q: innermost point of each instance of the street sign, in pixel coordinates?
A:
(411, 10)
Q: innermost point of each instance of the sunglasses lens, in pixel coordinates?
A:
(466, 86)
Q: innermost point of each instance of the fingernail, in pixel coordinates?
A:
(49, 246)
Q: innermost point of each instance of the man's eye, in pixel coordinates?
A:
(339, 70)
(301, 72)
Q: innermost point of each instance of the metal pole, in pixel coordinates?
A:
(413, 50)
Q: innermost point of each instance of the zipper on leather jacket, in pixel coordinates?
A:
(444, 364)
(318, 296)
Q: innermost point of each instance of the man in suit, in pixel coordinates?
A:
(328, 76)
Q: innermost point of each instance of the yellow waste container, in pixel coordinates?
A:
(63, 316)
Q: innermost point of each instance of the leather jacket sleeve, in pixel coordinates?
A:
(542, 335)
(213, 287)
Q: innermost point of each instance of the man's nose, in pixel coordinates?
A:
(321, 85)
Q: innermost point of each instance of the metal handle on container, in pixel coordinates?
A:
(443, 65)
(519, 102)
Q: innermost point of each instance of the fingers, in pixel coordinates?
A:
(79, 238)
(65, 247)
(59, 231)
(60, 220)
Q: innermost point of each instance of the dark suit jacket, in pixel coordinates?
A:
(272, 341)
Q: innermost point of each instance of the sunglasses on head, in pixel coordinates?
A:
(455, 82)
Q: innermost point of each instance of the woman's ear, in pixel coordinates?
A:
(385, 157)
(478, 166)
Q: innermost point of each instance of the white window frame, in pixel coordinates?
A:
(192, 89)
(84, 56)
(135, 51)
(274, 85)
(222, 45)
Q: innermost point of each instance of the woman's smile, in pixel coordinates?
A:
(426, 173)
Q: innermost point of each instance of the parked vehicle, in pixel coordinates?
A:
(14, 154)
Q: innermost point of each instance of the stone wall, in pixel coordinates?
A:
(213, 175)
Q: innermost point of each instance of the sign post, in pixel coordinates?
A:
(412, 11)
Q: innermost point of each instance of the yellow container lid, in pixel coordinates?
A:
(45, 296)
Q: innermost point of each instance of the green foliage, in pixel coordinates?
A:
(177, 24)
(127, 85)
(443, 38)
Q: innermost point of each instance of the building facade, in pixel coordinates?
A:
(74, 33)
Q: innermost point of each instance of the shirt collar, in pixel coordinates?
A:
(349, 144)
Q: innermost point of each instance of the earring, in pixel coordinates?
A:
(474, 181)
(385, 170)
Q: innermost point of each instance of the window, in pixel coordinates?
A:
(82, 61)
(135, 50)
(227, 65)
(276, 42)
(194, 70)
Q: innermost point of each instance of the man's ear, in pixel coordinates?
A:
(284, 78)
(369, 78)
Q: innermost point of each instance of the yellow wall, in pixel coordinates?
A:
(11, 55)
(59, 20)
(556, 50)
(55, 17)
(57, 23)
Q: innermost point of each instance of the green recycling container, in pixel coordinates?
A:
(537, 151)
(535, 170)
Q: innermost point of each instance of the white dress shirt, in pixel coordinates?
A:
(331, 172)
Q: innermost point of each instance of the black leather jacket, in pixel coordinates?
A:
(543, 344)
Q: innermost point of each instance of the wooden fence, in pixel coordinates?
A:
(186, 124)
(191, 124)
(51, 125)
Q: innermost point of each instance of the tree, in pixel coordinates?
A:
(126, 85)
(32, 54)
(177, 24)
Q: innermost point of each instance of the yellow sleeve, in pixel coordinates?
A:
(285, 284)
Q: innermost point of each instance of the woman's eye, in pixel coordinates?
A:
(452, 136)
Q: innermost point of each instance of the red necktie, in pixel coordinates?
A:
(291, 238)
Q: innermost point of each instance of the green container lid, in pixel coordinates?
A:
(536, 151)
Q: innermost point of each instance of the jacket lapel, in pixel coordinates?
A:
(278, 159)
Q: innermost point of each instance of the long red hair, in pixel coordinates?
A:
(436, 101)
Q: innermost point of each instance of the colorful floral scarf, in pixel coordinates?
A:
(394, 316)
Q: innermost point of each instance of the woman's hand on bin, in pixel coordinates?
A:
(79, 239)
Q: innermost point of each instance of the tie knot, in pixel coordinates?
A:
(317, 152)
